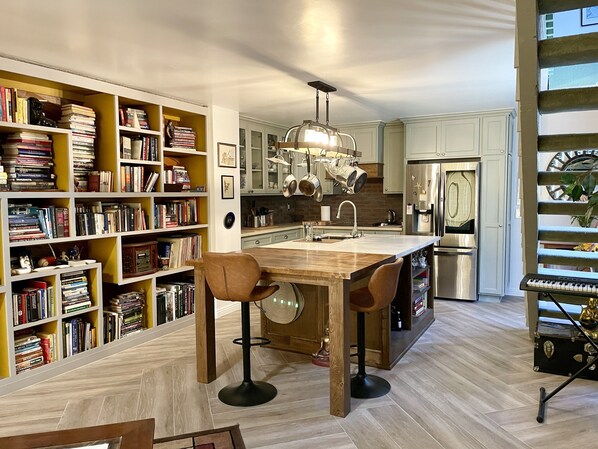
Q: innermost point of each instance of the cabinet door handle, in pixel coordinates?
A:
(257, 242)
(286, 237)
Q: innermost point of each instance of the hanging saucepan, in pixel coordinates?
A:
(289, 185)
(360, 179)
(346, 176)
(309, 183)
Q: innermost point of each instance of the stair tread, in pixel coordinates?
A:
(568, 142)
(568, 50)
(568, 100)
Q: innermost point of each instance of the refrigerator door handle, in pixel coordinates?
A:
(440, 214)
(457, 252)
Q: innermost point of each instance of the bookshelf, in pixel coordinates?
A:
(103, 246)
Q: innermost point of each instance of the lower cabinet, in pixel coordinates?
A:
(269, 238)
(386, 341)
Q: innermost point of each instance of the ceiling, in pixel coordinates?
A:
(387, 58)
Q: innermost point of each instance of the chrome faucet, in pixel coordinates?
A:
(354, 231)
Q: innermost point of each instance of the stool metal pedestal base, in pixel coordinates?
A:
(368, 386)
(247, 394)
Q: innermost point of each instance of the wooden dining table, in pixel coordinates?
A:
(335, 270)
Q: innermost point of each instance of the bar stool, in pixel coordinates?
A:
(233, 277)
(378, 294)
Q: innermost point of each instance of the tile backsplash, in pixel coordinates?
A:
(372, 206)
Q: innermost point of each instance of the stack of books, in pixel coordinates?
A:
(79, 336)
(182, 137)
(420, 304)
(27, 158)
(81, 121)
(75, 291)
(24, 223)
(28, 352)
(125, 316)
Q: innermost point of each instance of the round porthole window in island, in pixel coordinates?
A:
(575, 160)
(285, 305)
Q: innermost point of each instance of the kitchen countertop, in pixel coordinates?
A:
(397, 245)
(290, 226)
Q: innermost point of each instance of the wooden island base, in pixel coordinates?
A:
(385, 347)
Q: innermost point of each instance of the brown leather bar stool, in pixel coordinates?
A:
(378, 294)
(233, 277)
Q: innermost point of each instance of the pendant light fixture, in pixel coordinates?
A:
(324, 143)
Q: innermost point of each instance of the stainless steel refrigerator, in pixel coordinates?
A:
(442, 199)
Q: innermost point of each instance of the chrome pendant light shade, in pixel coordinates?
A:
(322, 143)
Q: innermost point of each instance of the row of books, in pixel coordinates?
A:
(27, 158)
(33, 302)
(29, 222)
(79, 336)
(180, 137)
(175, 213)
(177, 174)
(133, 117)
(80, 120)
(75, 291)
(174, 300)
(178, 249)
(105, 218)
(134, 178)
(143, 148)
(124, 315)
(13, 106)
(100, 181)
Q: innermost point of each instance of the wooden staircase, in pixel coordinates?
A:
(546, 246)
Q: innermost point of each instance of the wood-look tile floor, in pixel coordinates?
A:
(467, 383)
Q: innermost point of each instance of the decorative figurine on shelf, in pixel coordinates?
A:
(74, 253)
(322, 356)
(63, 259)
(24, 265)
(589, 318)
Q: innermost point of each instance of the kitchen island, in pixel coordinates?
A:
(336, 266)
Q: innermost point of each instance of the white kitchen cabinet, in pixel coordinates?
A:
(394, 157)
(368, 137)
(442, 138)
(495, 132)
(257, 240)
(257, 142)
(494, 231)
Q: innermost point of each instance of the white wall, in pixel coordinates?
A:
(223, 125)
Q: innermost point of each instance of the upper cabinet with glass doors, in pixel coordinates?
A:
(257, 142)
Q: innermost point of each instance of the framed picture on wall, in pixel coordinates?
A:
(589, 16)
(228, 189)
(227, 155)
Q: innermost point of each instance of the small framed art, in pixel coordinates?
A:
(227, 155)
(228, 189)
